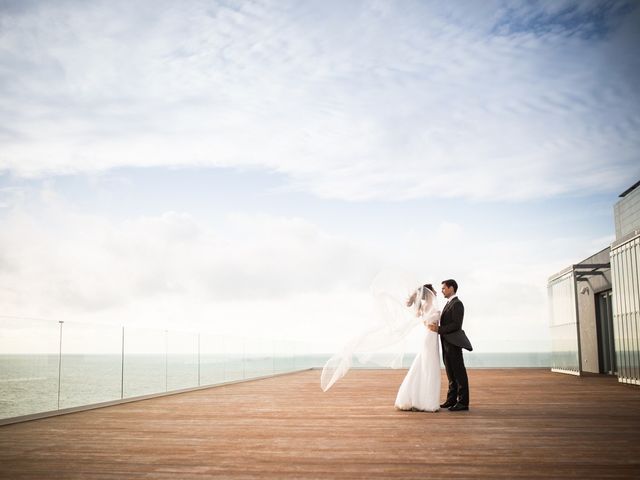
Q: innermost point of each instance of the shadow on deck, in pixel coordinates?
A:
(523, 423)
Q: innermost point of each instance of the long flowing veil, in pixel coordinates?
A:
(394, 321)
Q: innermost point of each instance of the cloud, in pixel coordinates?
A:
(257, 275)
(364, 101)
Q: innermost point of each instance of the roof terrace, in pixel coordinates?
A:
(523, 423)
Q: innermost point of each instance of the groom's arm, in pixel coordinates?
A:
(457, 314)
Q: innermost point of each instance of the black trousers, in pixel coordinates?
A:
(458, 391)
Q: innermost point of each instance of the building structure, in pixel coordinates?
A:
(595, 304)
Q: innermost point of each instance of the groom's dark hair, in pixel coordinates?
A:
(451, 283)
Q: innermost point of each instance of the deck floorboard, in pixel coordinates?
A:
(523, 423)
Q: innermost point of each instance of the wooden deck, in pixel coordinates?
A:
(522, 424)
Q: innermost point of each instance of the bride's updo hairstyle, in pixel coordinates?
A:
(427, 286)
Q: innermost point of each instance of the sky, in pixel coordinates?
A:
(248, 168)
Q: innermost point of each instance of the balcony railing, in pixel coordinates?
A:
(50, 366)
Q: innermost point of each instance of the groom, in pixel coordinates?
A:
(453, 341)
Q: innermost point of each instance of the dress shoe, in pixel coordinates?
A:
(447, 404)
(458, 407)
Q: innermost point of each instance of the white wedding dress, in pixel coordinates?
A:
(420, 389)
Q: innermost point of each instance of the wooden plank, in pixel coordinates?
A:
(523, 423)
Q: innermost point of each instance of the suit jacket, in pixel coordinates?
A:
(450, 329)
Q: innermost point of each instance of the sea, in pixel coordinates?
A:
(31, 384)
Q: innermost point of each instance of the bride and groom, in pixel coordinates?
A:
(420, 389)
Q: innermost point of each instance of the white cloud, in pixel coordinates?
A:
(255, 275)
(360, 101)
(259, 276)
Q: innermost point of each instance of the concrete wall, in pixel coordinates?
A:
(586, 290)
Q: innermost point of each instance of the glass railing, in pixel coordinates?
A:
(47, 366)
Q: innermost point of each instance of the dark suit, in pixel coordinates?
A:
(453, 341)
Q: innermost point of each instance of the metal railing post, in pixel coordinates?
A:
(166, 360)
(122, 367)
(61, 322)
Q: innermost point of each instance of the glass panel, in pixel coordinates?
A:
(227, 353)
(283, 356)
(564, 325)
(102, 363)
(617, 310)
(213, 359)
(626, 308)
(617, 316)
(145, 362)
(302, 358)
(320, 356)
(182, 357)
(624, 292)
(91, 364)
(305, 358)
(28, 366)
(612, 346)
(233, 350)
(258, 358)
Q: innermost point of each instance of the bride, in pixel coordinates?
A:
(420, 389)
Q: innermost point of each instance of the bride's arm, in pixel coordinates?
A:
(411, 299)
(418, 305)
(433, 318)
